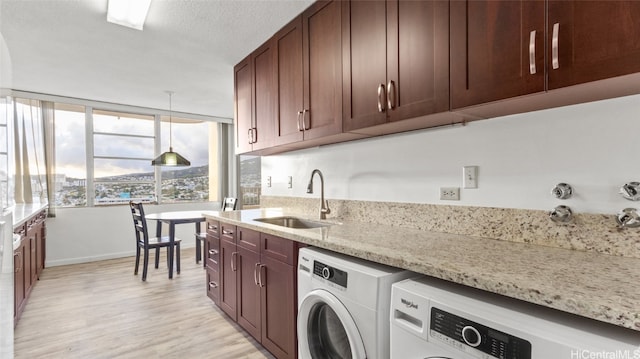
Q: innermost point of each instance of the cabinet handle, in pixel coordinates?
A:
(391, 98)
(255, 274)
(381, 98)
(234, 255)
(254, 132)
(261, 283)
(298, 120)
(304, 120)
(532, 52)
(249, 135)
(215, 228)
(213, 285)
(228, 233)
(19, 266)
(554, 46)
(213, 252)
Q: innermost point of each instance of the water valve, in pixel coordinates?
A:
(631, 191)
(561, 214)
(562, 191)
(628, 218)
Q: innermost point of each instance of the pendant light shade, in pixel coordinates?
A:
(170, 159)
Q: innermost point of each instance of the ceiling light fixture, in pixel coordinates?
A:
(170, 158)
(129, 13)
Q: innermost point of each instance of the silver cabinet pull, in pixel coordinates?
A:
(381, 98)
(213, 252)
(250, 135)
(304, 120)
(255, 274)
(554, 46)
(254, 131)
(213, 285)
(532, 52)
(391, 98)
(234, 255)
(260, 282)
(228, 233)
(213, 227)
(298, 120)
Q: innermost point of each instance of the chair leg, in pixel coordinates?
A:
(135, 272)
(178, 258)
(157, 257)
(146, 264)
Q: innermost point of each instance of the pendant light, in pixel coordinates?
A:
(170, 158)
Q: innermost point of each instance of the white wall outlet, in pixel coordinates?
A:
(470, 177)
(268, 181)
(290, 182)
(450, 193)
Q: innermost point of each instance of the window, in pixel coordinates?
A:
(250, 180)
(119, 147)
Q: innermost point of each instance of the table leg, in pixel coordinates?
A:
(172, 233)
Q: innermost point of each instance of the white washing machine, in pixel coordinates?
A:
(435, 319)
(343, 306)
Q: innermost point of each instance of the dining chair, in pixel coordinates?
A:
(228, 204)
(144, 243)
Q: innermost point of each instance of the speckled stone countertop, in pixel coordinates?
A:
(597, 286)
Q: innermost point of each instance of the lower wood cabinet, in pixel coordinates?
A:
(257, 286)
(28, 259)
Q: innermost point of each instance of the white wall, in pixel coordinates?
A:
(78, 235)
(594, 147)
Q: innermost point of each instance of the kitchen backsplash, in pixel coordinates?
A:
(587, 232)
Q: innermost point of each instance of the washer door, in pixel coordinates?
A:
(326, 329)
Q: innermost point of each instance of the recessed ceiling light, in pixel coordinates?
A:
(129, 13)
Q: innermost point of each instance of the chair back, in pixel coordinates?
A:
(139, 223)
(228, 204)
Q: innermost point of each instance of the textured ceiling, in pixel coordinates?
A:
(67, 48)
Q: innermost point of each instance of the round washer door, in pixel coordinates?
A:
(326, 329)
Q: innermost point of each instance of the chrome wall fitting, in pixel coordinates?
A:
(628, 218)
(562, 191)
(631, 191)
(561, 214)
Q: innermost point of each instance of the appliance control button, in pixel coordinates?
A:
(471, 336)
(327, 273)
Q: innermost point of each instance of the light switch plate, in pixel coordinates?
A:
(290, 182)
(268, 181)
(470, 177)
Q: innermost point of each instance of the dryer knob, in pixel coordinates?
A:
(471, 336)
(327, 273)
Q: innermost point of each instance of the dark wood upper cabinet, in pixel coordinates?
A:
(309, 75)
(396, 61)
(265, 95)
(491, 43)
(243, 105)
(595, 40)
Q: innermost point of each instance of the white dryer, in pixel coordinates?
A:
(343, 306)
(434, 319)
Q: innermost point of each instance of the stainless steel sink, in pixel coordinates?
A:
(293, 222)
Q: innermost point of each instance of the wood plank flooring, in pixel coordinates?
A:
(101, 310)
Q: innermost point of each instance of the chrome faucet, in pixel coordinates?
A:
(324, 205)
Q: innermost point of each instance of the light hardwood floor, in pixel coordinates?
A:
(101, 310)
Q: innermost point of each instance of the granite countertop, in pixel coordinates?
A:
(597, 286)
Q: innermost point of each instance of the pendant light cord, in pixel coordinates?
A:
(170, 123)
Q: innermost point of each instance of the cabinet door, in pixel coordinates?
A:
(228, 280)
(290, 103)
(417, 58)
(322, 61)
(365, 61)
(248, 292)
(265, 95)
(595, 40)
(490, 50)
(242, 105)
(278, 303)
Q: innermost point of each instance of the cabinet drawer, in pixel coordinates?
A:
(213, 284)
(213, 228)
(212, 252)
(248, 239)
(227, 232)
(278, 248)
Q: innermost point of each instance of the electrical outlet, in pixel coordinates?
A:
(450, 193)
(290, 182)
(470, 177)
(268, 181)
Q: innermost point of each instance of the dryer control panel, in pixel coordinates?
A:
(458, 331)
(333, 275)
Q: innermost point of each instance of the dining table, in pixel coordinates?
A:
(173, 218)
